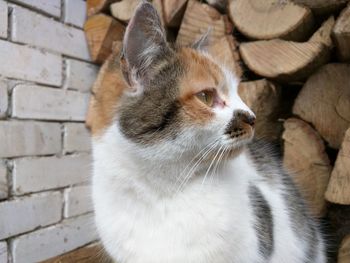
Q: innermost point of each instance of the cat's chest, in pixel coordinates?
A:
(204, 221)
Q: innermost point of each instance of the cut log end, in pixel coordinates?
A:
(124, 9)
(225, 51)
(338, 190)
(288, 60)
(310, 167)
(324, 101)
(341, 35)
(265, 20)
(198, 18)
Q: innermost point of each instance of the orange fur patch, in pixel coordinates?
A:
(201, 73)
(107, 90)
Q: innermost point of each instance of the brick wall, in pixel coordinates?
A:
(45, 81)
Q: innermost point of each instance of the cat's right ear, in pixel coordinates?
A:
(144, 45)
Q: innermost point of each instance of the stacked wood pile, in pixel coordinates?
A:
(293, 58)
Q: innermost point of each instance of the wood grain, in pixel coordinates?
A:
(341, 35)
(198, 19)
(306, 159)
(287, 60)
(271, 19)
(338, 190)
(324, 101)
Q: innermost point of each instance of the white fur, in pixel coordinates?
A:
(144, 216)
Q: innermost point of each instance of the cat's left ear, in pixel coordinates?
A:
(144, 45)
(203, 42)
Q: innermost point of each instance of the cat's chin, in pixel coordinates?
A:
(238, 144)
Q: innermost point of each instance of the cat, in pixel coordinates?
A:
(177, 174)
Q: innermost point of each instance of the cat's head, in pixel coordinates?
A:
(178, 100)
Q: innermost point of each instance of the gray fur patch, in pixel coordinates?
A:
(153, 115)
(304, 226)
(263, 221)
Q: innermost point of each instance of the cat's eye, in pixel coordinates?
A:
(207, 97)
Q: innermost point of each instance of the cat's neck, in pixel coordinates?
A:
(168, 176)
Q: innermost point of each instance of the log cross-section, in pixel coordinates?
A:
(338, 190)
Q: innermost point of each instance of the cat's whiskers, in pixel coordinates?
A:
(194, 167)
(211, 164)
(198, 162)
(193, 159)
(218, 162)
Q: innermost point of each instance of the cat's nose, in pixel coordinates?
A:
(245, 117)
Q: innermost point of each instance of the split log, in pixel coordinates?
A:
(173, 12)
(287, 60)
(338, 190)
(101, 31)
(225, 50)
(269, 19)
(96, 6)
(344, 251)
(263, 98)
(310, 166)
(341, 35)
(322, 7)
(198, 18)
(124, 9)
(324, 101)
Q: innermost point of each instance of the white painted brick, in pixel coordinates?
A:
(3, 19)
(27, 213)
(3, 181)
(77, 201)
(55, 240)
(52, 7)
(37, 174)
(3, 99)
(36, 102)
(35, 29)
(75, 12)
(3, 252)
(80, 75)
(21, 62)
(76, 138)
(29, 138)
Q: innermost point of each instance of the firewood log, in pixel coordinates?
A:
(124, 9)
(101, 31)
(263, 98)
(322, 7)
(271, 19)
(338, 190)
(344, 251)
(305, 157)
(324, 101)
(198, 18)
(341, 35)
(225, 50)
(287, 60)
(173, 12)
(96, 6)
